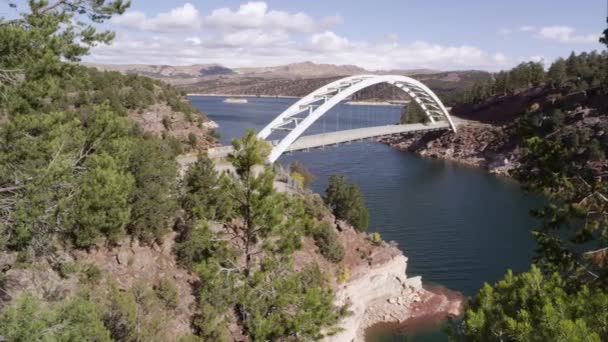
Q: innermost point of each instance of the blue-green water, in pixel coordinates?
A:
(459, 226)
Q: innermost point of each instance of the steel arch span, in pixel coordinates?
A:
(302, 114)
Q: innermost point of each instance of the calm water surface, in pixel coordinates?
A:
(459, 226)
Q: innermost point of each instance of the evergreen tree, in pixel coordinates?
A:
(33, 48)
(253, 274)
(152, 200)
(26, 319)
(253, 192)
(346, 201)
(101, 206)
(281, 303)
(535, 307)
(558, 72)
(413, 113)
(205, 196)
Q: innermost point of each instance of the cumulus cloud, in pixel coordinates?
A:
(527, 28)
(185, 18)
(252, 34)
(500, 58)
(252, 37)
(556, 33)
(259, 48)
(252, 19)
(328, 41)
(565, 34)
(256, 15)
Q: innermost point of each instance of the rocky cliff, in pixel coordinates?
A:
(194, 132)
(485, 146)
(490, 138)
(371, 281)
(384, 294)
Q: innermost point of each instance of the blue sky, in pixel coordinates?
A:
(380, 34)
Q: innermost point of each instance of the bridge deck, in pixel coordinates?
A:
(333, 138)
(325, 139)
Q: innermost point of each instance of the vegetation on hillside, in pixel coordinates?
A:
(576, 73)
(563, 297)
(238, 276)
(346, 201)
(533, 306)
(73, 168)
(412, 113)
(76, 172)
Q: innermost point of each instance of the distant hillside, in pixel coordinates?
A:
(166, 71)
(294, 70)
(447, 85)
(302, 70)
(297, 79)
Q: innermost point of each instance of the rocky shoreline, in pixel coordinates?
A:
(479, 145)
(382, 293)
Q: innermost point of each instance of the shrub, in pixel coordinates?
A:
(167, 123)
(26, 319)
(92, 274)
(167, 293)
(301, 175)
(67, 268)
(375, 238)
(344, 274)
(192, 140)
(175, 145)
(326, 240)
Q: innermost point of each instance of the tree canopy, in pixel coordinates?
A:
(346, 201)
(563, 297)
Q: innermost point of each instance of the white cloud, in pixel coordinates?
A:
(565, 34)
(527, 28)
(193, 40)
(255, 15)
(255, 35)
(260, 48)
(499, 58)
(536, 58)
(185, 18)
(328, 41)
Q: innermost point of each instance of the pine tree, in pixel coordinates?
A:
(558, 72)
(102, 202)
(413, 113)
(153, 203)
(205, 196)
(253, 191)
(346, 201)
(535, 307)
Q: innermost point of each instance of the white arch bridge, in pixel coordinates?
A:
(301, 115)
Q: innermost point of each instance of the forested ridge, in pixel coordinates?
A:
(561, 134)
(84, 188)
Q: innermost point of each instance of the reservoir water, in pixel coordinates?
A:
(459, 226)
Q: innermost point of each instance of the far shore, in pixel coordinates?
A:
(245, 95)
(376, 103)
(348, 102)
